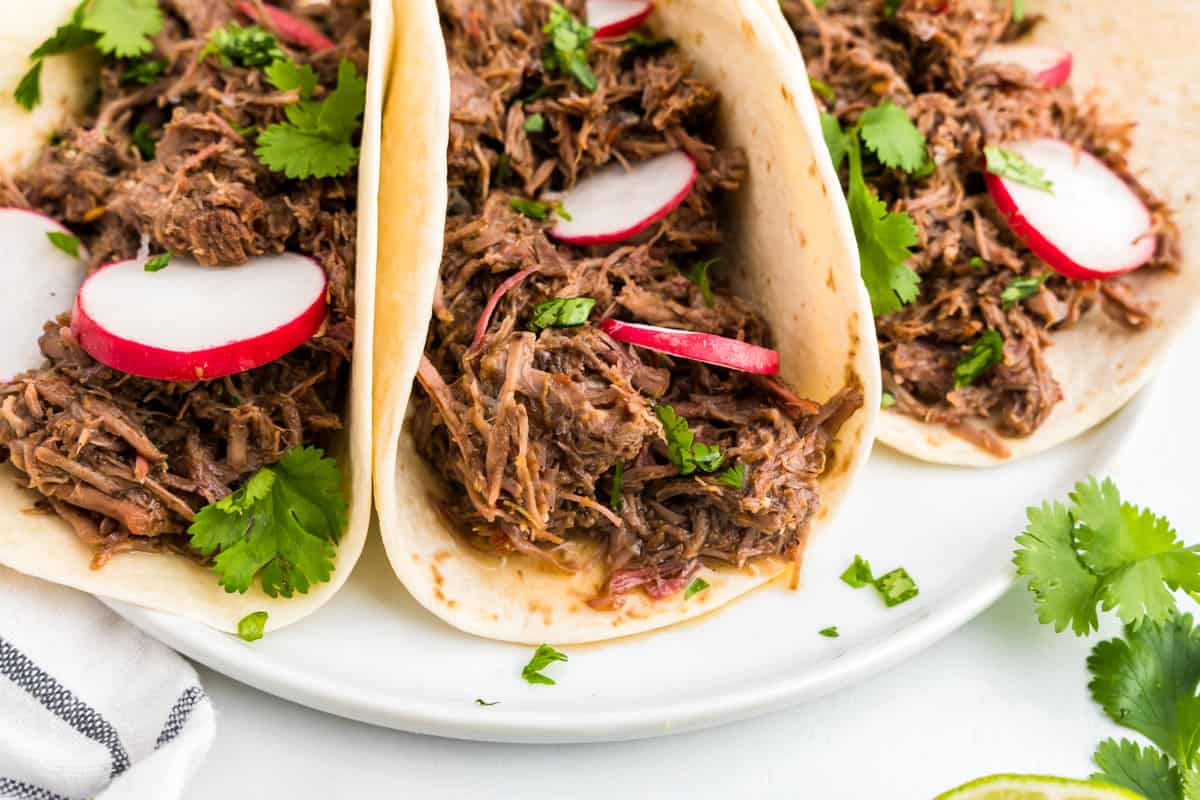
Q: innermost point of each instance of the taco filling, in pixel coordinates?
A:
(587, 375)
(992, 207)
(212, 161)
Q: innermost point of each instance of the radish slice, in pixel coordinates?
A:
(1052, 65)
(615, 203)
(615, 17)
(189, 322)
(706, 347)
(1092, 225)
(42, 281)
(494, 300)
(290, 28)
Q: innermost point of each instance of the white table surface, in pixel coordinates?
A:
(1003, 694)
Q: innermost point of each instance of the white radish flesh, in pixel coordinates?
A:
(42, 283)
(616, 17)
(1052, 65)
(189, 322)
(616, 203)
(1090, 225)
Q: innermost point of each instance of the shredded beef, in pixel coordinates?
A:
(128, 461)
(531, 427)
(922, 57)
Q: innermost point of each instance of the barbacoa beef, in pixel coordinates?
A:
(128, 461)
(922, 57)
(530, 428)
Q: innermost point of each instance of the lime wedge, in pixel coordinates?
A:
(1036, 787)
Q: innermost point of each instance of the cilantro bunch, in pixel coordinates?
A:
(119, 28)
(1100, 552)
(884, 237)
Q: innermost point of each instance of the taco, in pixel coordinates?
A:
(641, 390)
(192, 433)
(1032, 273)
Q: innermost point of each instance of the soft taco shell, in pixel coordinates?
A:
(1142, 65)
(796, 261)
(44, 546)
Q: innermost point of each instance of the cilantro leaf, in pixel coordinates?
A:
(536, 209)
(68, 37)
(250, 627)
(250, 46)
(887, 400)
(1064, 589)
(694, 588)
(896, 587)
(1008, 164)
(66, 242)
(124, 26)
(830, 633)
(144, 72)
(858, 574)
(561, 312)
(699, 276)
(567, 50)
(535, 123)
(317, 139)
(158, 263)
(1147, 772)
(1022, 287)
(836, 140)
(884, 239)
(978, 263)
(282, 526)
(543, 657)
(888, 132)
(682, 448)
(985, 353)
(28, 93)
(734, 477)
(479, 701)
(1147, 682)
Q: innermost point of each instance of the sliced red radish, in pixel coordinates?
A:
(188, 322)
(486, 317)
(1090, 225)
(615, 17)
(695, 346)
(42, 280)
(1052, 65)
(615, 203)
(290, 28)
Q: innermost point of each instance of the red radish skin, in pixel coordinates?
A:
(695, 346)
(1052, 65)
(1092, 227)
(486, 317)
(615, 203)
(42, 279)
(616, 17)
(96, 334)
(289, 28)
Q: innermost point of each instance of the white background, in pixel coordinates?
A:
(1003, 694)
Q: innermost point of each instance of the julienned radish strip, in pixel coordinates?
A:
(290, 28)
(616, 203)
(189, 322)
(616, 17)
(695, 346)
(1052, 65)
(1090, 225)
(501, 290)
(42, 279)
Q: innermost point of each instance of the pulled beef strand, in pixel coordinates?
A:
(530, 427)
(127, 461)
(923, 57)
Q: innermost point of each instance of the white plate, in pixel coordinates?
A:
(374, 655)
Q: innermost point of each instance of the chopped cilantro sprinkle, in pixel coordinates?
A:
(977, 263)
(830, 633)
(682, 448)
(639, 42)
(535, 123)
(66, 242)
(1013, 166)
(896, 587)
(251, 626)
(822, 88)
(142, 140)
(561, 312)
(985, 353)
(887, 400)
(144, 72)
(250, 46)
(1020, 288)
(479, 701)
(543, 657)
(858, 574)
(159, 262)
(694, 588)
(699, 276)
(567, 50)
(536, 209)
(734, 477)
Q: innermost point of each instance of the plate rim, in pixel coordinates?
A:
(952, 610)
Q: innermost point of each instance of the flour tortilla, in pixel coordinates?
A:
(794, 258)
(44, 546)
(1143, 65)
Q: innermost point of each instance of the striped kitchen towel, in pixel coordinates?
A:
(89, 705)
